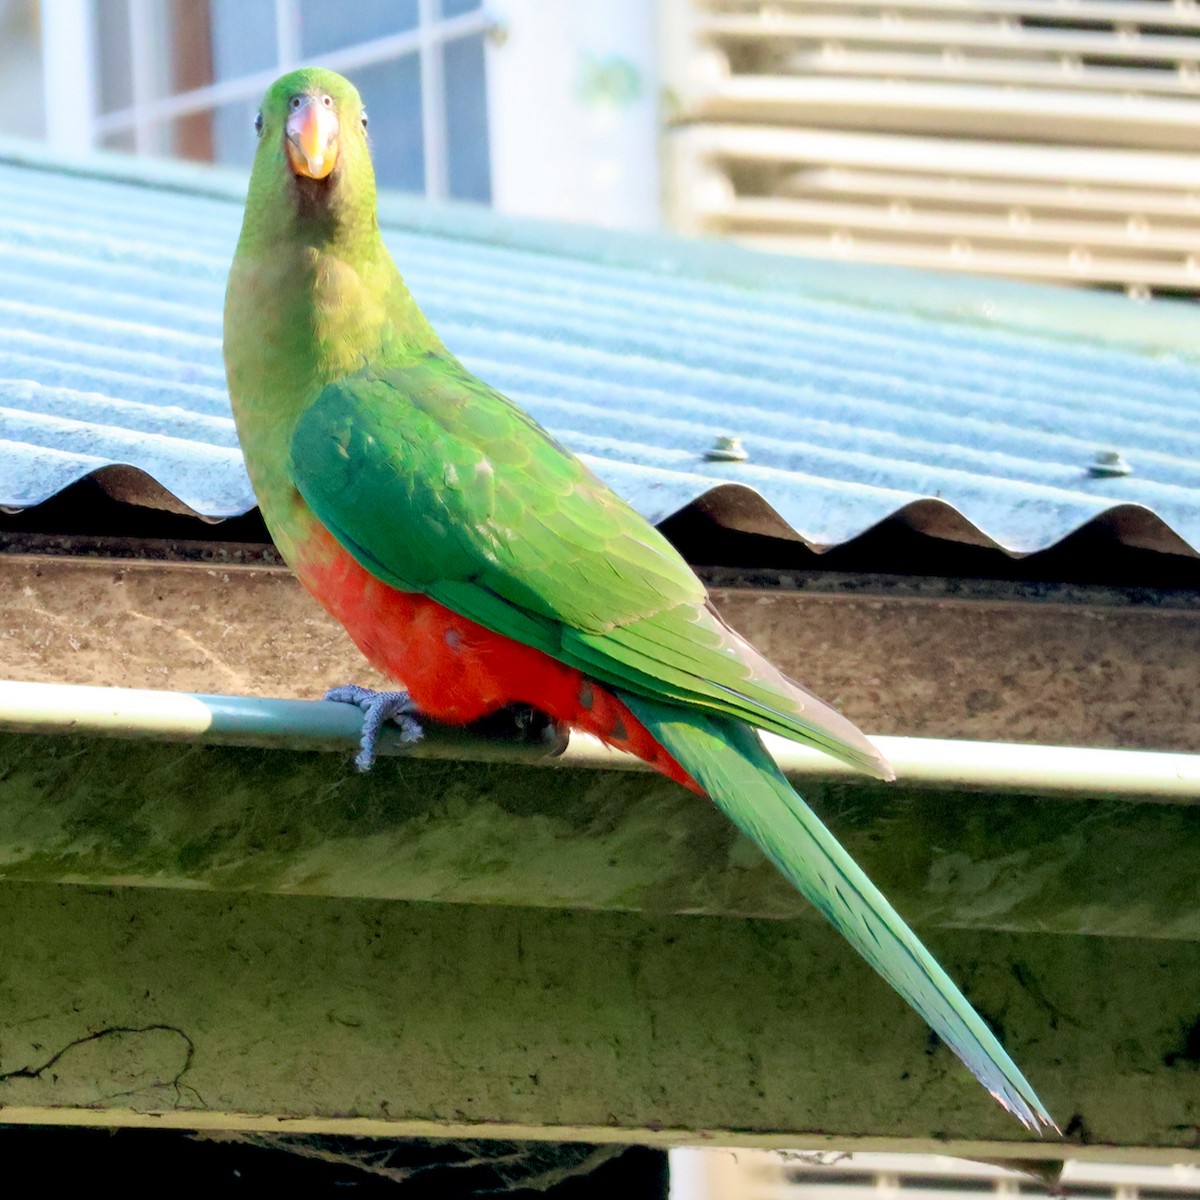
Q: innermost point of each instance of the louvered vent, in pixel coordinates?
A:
(832, 1175)
(1044, 139)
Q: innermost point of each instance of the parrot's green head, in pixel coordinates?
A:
(312, 171)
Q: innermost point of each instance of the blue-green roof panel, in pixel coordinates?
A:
(854, 395)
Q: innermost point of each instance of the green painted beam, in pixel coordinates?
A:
(87, 809)
(126, 1006)
(473, 942)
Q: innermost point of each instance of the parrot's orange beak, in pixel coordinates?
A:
(312, 137)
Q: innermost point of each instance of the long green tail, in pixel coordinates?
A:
(727, 758)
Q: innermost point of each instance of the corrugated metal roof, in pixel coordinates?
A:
(638, 353)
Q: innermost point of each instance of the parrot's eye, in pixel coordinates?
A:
(294, 103)
(364, 118)
(327, 101)
(258, 124)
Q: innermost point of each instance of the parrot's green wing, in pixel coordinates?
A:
(438, 484)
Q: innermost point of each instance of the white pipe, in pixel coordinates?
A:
(287, 34)
(148, 47)
(433, 101)
(573, 111)
(47, 708)
(69, 75)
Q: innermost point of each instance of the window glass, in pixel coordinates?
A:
(234, 139)
(243, 37)
(115, 75)
(243, 42)
(392, 91)
(325, 26)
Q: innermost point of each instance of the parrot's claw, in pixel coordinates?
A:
(396, 707)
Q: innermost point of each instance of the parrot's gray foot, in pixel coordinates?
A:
(396, 707)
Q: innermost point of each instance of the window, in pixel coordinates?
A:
(180, 77)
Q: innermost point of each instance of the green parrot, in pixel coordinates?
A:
(478, 561)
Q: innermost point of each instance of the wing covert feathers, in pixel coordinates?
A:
(438, 484)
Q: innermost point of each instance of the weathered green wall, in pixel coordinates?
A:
(209, 1008)
(442, 959)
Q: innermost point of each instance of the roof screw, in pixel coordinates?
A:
(726, 449)
(1108, 464)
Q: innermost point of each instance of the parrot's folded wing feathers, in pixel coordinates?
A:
(587, 579)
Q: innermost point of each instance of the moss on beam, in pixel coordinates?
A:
(139, 813)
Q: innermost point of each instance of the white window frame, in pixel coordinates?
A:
(74, 124)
